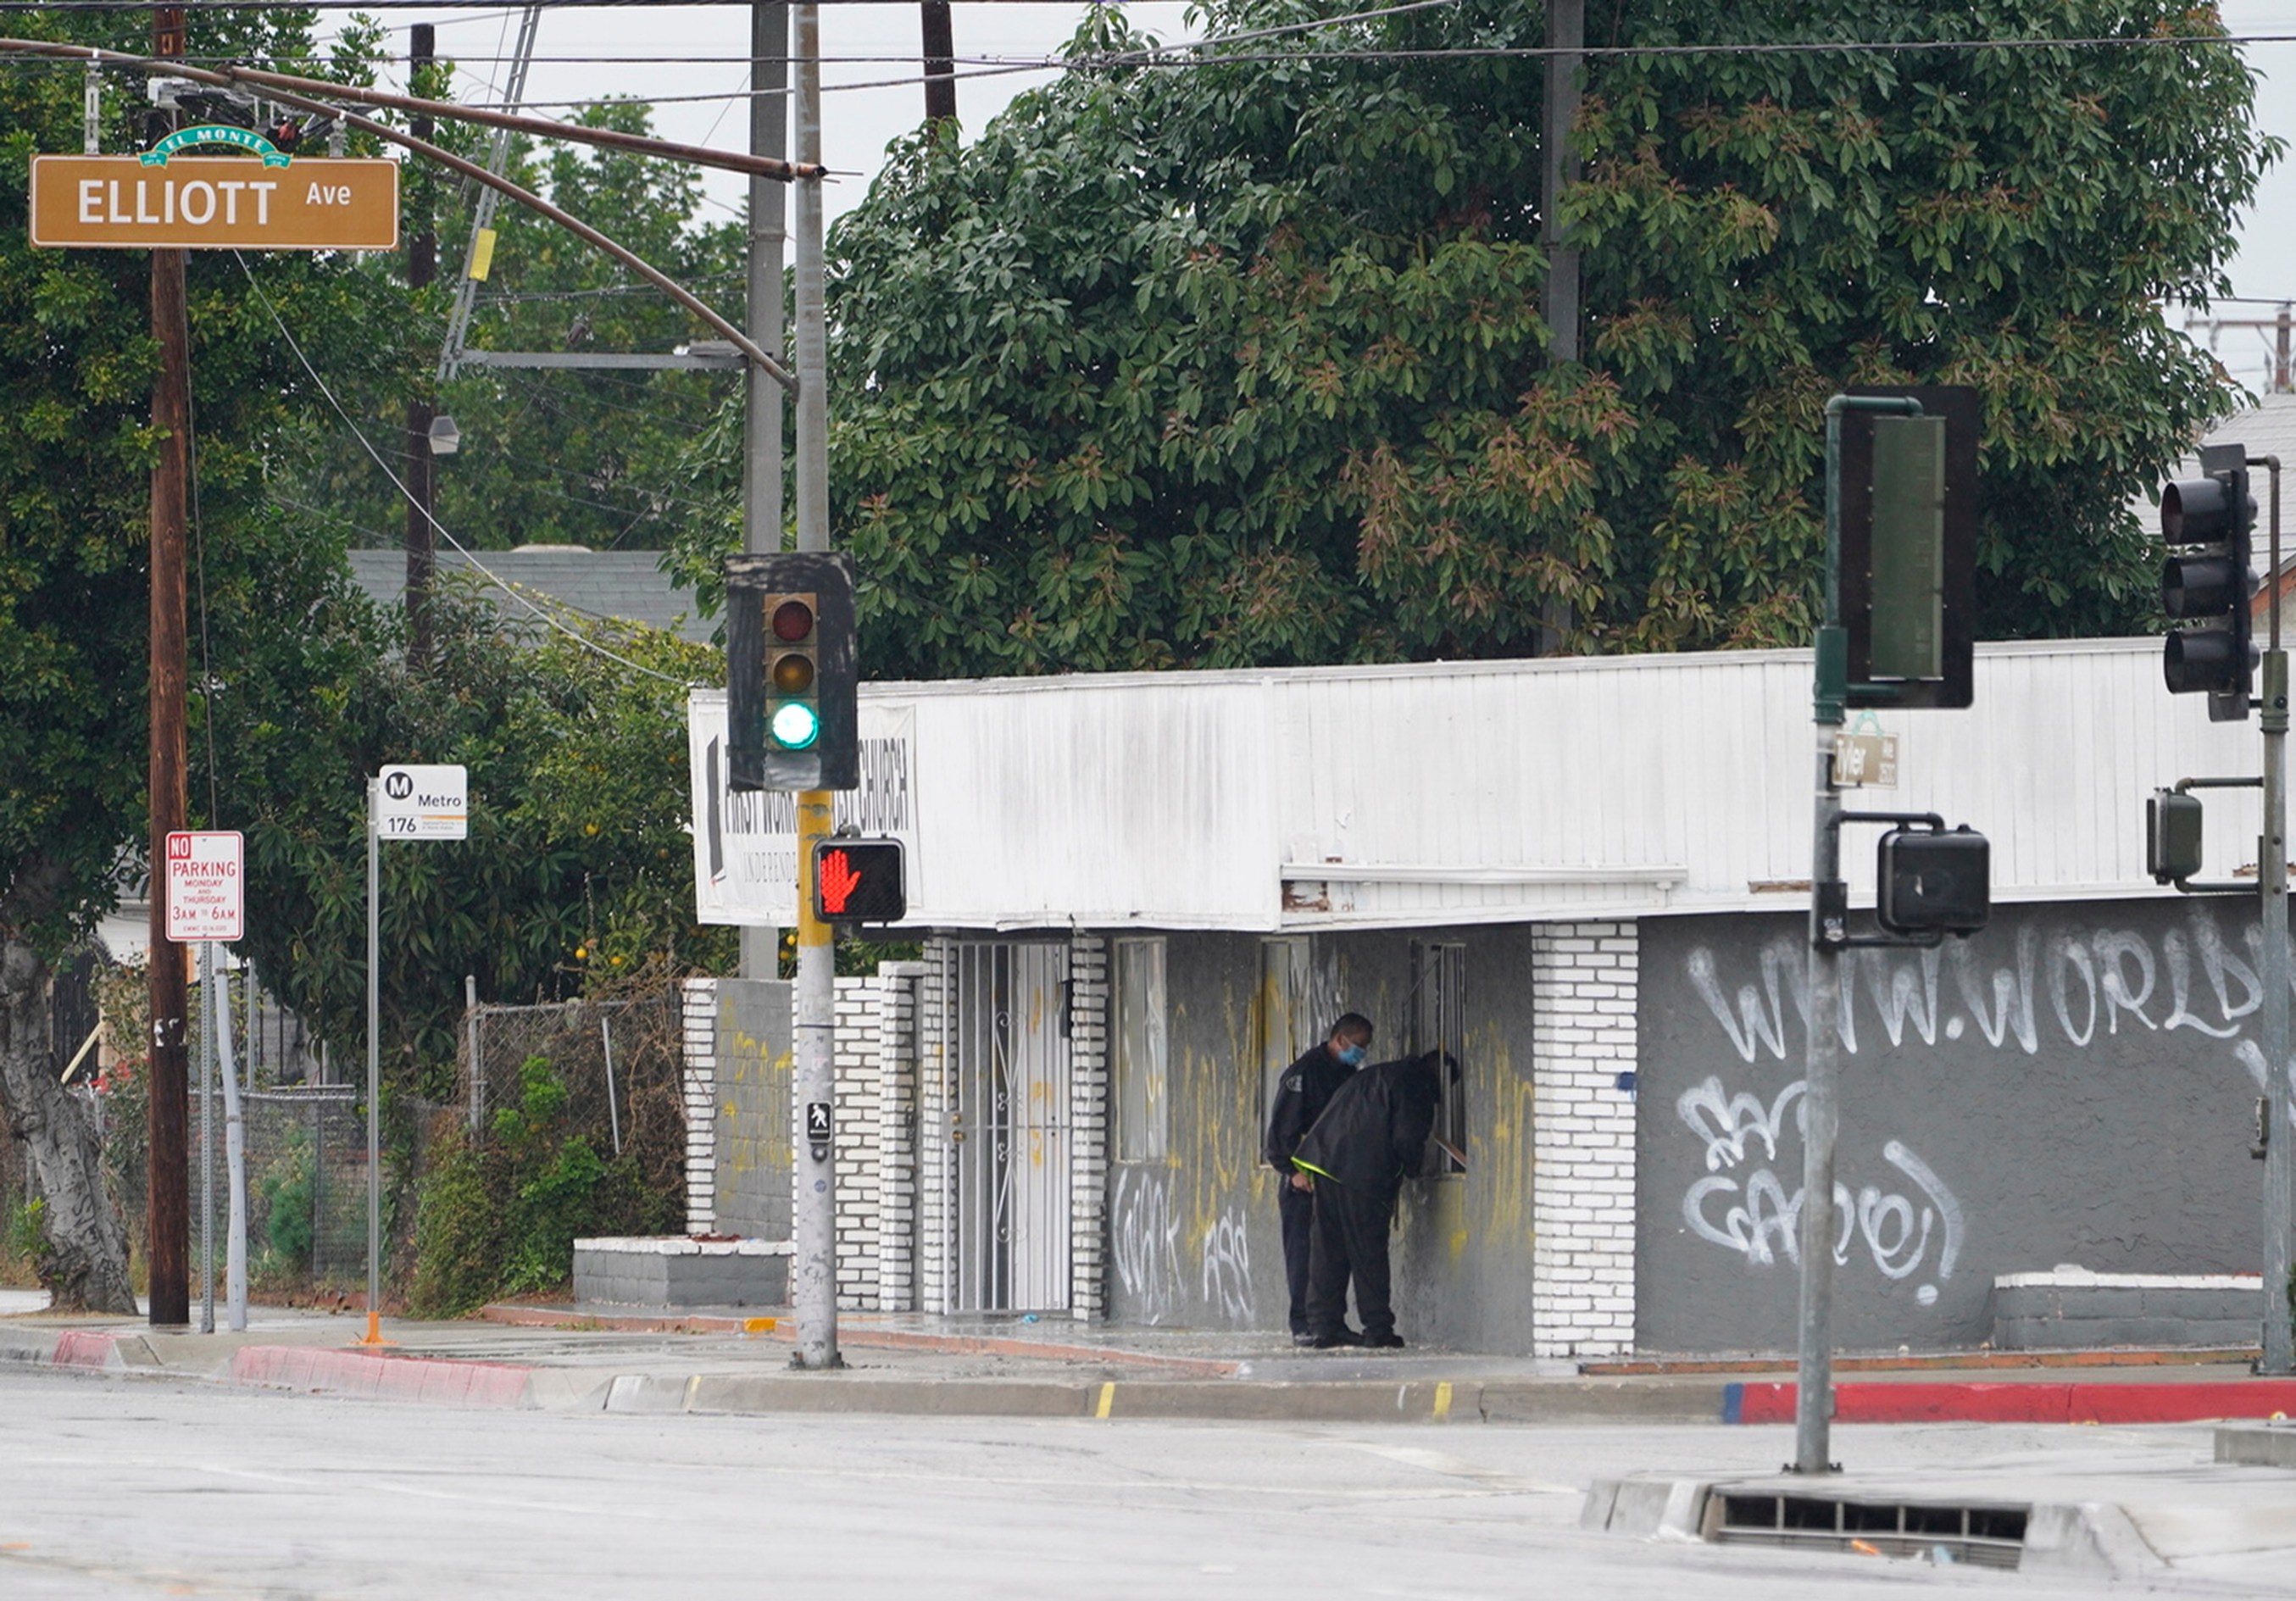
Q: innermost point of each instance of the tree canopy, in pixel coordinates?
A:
(1242, 362)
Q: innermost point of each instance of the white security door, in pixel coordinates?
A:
(1010, 1127)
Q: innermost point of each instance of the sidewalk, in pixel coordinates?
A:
(737, 1360)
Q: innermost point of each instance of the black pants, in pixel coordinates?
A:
(1351, 1241)
(1296, 1207)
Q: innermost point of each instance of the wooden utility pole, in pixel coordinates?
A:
(941, 67)
(422, 268)
(167, 1109)
(1566, 36)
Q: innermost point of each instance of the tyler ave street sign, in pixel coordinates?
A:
(206, 894)
(203, 202)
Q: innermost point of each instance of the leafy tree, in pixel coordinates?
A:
(1243, 362)
(75, 452)
(576, 864)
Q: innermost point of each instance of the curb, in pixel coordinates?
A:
(2065, 1403)
(860, 1337)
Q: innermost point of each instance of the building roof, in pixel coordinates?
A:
(627, 585)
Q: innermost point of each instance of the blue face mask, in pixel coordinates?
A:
(1351, 1055)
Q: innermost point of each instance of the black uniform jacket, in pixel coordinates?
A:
(1301, 1094)
(1375, 1132)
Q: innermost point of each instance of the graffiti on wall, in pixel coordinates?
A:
(1227, 1266)
(2051, 988)
(1751, 1211)
(2064, 985)
(1144, 1240)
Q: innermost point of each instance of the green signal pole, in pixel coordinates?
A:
(1829, 931)
(2272, 874)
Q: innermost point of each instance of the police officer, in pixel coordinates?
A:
(1371, 1138)
(1301, 1095)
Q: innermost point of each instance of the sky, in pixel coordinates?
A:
(585, 52)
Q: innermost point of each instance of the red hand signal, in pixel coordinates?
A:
(838, 880)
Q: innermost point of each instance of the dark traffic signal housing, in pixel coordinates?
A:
(1908, 575)
(2173, 836)
(858, 881)
(792, 674)
(2207, 581)
(1933, 880)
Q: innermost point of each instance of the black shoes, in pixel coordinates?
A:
(1390, 1341)
(1333, 1341)
(1301, 1336)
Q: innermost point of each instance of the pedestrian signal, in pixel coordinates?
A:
(858, 881)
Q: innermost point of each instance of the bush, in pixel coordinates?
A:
(502, 1219)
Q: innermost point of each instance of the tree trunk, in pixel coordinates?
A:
(85, 1262)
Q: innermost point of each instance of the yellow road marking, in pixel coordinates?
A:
(1442, 1400)
(1107, 1399)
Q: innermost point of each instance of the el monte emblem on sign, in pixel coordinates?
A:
(422, 802)
(206, 893)
(273, 202)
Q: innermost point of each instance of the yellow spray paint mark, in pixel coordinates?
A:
(760, 1326)
(1442, 1400)
(1107, 1401)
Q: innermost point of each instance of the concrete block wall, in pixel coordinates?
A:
(2070, 1309)
(1584, 978)
(1088, 1125)
(700, 1092)
(896, 1134)
(936, 1091)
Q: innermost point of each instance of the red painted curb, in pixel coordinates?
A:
(384, 1377)
(2032, 1403)
(84, 1348)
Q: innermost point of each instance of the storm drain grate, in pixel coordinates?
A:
(1990, 1537)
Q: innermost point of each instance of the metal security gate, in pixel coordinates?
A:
(1010, 1127)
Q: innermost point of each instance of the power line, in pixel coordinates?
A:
(428, 515)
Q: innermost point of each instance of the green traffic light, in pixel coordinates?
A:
(795, 726)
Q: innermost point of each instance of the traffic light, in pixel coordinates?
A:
(1933, 879)
(2207, 519)
(793, 716)
(858, 881)
(1908, 567)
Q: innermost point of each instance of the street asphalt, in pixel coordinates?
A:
(116, 1488)
(2182, 1507)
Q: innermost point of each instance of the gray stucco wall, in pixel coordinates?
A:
(2074, 1085)
(753, 1108)
(1193, 1240)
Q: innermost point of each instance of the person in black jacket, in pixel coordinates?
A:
(1371, 1138)
(1301, 1094)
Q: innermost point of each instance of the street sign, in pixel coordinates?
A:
(1866, 761)
(215, 203)
(415, 802)
(206, 892)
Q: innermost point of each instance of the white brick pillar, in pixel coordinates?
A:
(699, 998)
(1089, 1069)
(1584, 977)
(858, 1081)
(936, 1092)
(903, 984)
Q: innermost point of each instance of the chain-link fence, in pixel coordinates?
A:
(621, 1063)
(306, 1184)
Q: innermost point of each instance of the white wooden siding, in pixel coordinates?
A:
(1589, 787)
